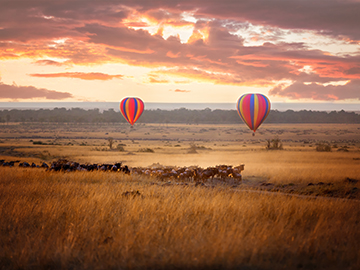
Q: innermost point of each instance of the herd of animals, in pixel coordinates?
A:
(192, 173)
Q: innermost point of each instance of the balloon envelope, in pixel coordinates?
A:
(131, 108)
(253, 109)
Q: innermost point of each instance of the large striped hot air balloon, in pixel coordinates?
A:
(131, 108)
(253, 109)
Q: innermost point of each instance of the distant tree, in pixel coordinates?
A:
(182, 115)
(110, 142)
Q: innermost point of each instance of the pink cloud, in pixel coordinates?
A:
(155, 79)
(80, 75)
(182, 91)
(331, 17)
(299, 90)
(29, 92)
(49, 63)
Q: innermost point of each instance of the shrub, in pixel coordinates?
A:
(192, 149)
(323, 147)
(343, 149)
(120, 148)
(99, 149)
(274, 144)
(146, 150)
(38, 142)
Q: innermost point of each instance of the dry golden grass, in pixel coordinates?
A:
(82, 221)
(303, 166)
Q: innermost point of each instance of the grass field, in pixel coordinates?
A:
(296, 208)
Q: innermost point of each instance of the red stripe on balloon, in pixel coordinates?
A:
(246, 110)
(131, 110)
(261, 110)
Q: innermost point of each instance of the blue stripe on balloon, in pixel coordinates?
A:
(136, 107)
(252, 109)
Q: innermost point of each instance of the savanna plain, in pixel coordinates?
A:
(296, 207)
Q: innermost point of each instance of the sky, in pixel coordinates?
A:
(180, 51)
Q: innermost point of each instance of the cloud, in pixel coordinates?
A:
(44, 19)
(182, 91)
(80, 75)
(225, 53)
(132, 32)
(199, 75)
(331, 17)
(139, 40)
(156, 79)
(299, 90)
(220, 37)
(46, 62)
(15, 92)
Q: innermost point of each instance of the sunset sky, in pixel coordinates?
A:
(180, 51)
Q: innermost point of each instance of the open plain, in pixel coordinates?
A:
(297, 206)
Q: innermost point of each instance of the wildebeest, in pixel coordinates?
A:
(191, 173)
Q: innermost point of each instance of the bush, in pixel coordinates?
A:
(146, 150)
(99, 149)
(120, 148)
(343, 149)
(323, 147)
(274, 144)
(38, 142)
(192, 150)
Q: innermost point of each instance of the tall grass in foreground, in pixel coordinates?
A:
(82, 221)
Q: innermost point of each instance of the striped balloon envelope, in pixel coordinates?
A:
(253, 109)
(131, 108)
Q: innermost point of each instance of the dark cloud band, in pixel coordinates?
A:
(30, 92)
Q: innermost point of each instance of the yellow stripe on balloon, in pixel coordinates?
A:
(240, 104)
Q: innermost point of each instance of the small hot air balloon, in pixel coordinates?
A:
(131, 108)
(253, 109)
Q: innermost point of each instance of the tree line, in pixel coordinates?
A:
(205, 116)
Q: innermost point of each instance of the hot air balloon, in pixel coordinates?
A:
(253, 109)
(131, 108)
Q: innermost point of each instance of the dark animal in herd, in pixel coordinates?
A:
(70, 166)
(192, 173)
(64, 165)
